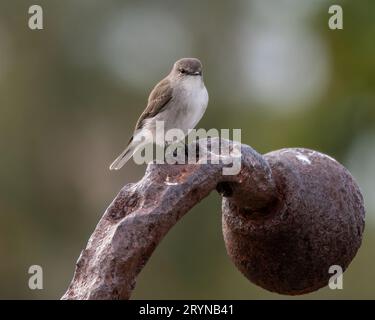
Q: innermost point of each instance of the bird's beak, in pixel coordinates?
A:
(197, 73)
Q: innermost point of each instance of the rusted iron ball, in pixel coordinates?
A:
(318, 221)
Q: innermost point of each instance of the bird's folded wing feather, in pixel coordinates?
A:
(158, 99)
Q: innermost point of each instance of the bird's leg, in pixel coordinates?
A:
(168, 146)
(181, 152)
(175, 152)
(186, 150)
(166, 149)
(196, 150)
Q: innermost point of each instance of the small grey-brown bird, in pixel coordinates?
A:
(180, 100)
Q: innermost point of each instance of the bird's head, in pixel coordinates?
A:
(187, 67)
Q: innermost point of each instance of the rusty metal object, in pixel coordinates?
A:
(142, 213)
(284, 221)
(318, 222)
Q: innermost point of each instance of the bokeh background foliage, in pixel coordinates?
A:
(71, 93)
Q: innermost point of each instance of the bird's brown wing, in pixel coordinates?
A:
(158, 99)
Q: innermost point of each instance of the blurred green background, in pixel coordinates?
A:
(71, 93)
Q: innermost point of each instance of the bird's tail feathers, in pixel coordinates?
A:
(122, 158)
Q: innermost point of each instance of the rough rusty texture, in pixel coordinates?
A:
(142, 213)
(287, 217)
(289, 245)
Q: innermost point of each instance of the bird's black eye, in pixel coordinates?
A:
(183, 71)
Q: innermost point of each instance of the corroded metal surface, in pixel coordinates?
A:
(318, 222)
(142, 213)
(287, 216)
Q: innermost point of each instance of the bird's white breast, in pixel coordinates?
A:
(191, 99)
